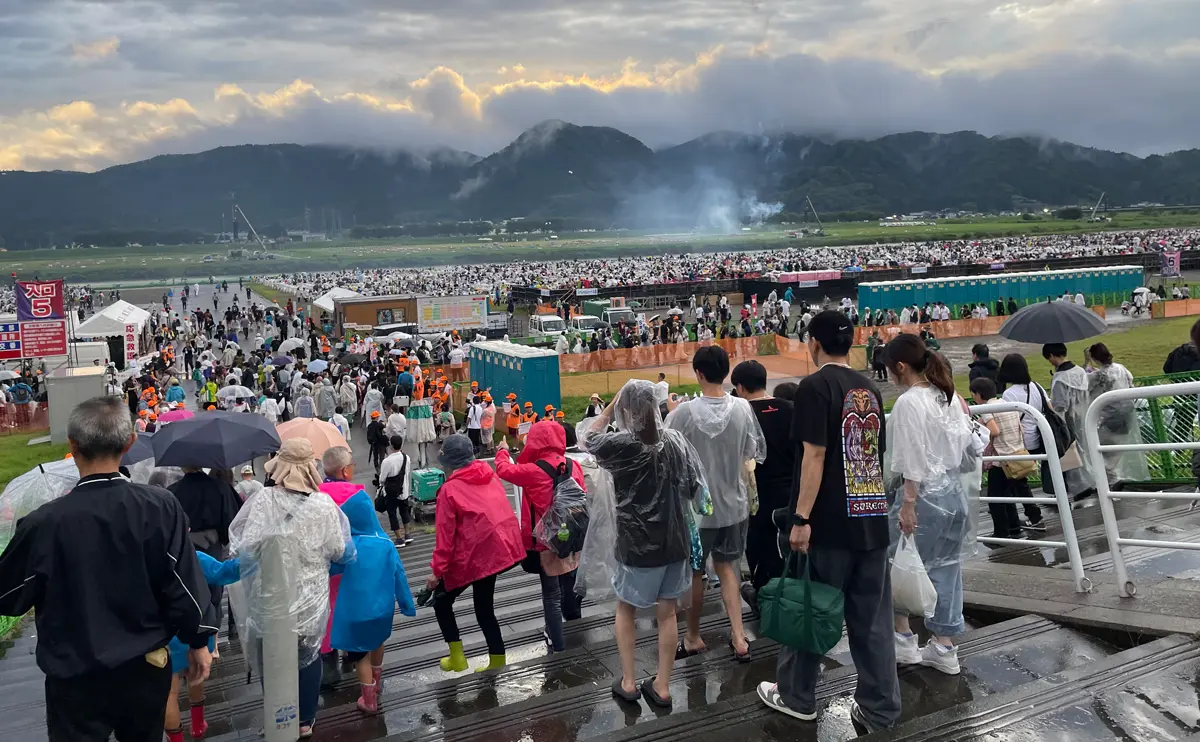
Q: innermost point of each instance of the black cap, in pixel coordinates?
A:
(833, 330)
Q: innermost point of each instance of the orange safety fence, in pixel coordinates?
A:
(1174, 308)
(668, 354)
(24, 418)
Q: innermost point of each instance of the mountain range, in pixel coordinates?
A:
(598, 174)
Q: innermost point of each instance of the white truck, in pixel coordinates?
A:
(546, 325)
(585, 325)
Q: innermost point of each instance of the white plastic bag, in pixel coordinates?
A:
(912, 590)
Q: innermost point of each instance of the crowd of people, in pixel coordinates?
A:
(496, 279)
(810, 473)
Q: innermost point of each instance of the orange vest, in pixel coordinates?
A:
(419, 389)
(514, 418)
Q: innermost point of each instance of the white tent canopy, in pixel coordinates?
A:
(111, 320)
(325, 301)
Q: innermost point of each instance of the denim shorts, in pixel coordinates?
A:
(643, 587)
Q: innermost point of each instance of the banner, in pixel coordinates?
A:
(587, 292)
(10, 341)
(1171, 262)
(42, 339)
(40, 300)
(916, 269)
(33, 339)
(442, 314)
(996, 266)
(131, 344)
(796, 276)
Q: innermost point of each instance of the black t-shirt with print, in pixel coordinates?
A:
(841, 409)
(774, 475)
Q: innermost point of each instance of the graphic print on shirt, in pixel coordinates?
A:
(861, 422)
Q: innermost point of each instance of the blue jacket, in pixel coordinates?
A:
(175, 393)
(215, 573)
(371, 585)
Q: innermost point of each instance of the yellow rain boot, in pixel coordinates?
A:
(495, 662)
(457, 661)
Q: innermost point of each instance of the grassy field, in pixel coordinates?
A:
(18, 457)
(179, 263)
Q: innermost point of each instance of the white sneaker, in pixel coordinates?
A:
(908, 651)
(943, 659)
(769, 693)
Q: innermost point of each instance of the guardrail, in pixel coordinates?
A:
(1125, 587)
(1061, 499)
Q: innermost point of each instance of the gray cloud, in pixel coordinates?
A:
(1117, 74)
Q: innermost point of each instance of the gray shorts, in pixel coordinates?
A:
(643, 587)
(726, 544)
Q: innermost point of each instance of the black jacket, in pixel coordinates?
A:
(1184, 358)
(111, 574)
(986, 368)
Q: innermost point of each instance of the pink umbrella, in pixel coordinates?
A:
(174, 416)
(320, 434)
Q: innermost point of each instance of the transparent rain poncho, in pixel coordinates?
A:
(927, 441)
(645, 482)
(296, 537)
(1070, 398)
(1118, 424)
(726, 434)
(33, 489)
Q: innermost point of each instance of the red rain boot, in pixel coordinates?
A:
(368, 702)
(199, 725)
(377, 677)
(174, 736)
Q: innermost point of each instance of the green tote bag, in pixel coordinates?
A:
(801, 614)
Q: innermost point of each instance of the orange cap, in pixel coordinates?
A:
(549, 408)
(375, 413)
(487, 397)
(143, 413)
(529, 405)
(510, 395)
(559, 415)
(474, 384)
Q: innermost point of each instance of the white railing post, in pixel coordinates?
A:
(1091, 431)
(1060, 498)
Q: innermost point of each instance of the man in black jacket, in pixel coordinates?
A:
(112, 576)
(982, 365)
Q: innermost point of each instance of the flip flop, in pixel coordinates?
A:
(682, 652)
(743, 658)
(652, 697)
(620, 693)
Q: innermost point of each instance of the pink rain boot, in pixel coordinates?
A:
(377, 677)
(368, 702)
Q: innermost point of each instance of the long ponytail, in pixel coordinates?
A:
(937, 370)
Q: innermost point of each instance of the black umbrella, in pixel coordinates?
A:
(353, 359)
(1053, 322)
(218, 440)
(141, 450)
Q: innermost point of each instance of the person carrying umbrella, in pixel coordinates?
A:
(103, 650)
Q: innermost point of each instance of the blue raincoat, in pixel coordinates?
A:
(371, 586)
(215, 573)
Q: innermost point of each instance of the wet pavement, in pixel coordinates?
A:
(1024, 679)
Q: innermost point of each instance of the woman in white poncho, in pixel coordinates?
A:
(348, 398)
(372, 402)
(1118, 422)
(1070, 398)
(928, 433)
(291, 521)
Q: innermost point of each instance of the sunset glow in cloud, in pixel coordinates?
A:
(89, 85)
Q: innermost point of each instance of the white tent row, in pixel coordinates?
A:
(325, 301)
(111, 320)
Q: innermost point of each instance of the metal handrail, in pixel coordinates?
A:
(1070, 542)
(1125, 587)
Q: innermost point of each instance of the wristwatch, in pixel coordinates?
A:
(799, 520)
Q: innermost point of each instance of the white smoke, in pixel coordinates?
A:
(721, 209)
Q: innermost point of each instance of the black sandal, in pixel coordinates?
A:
(682, 652)
(652, 696)
(619, 692)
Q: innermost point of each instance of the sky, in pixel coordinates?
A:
(86, 85)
